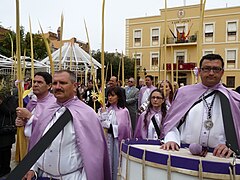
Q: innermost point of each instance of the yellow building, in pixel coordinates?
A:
(220, 34)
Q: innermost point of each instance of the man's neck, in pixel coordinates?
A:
(41, 96)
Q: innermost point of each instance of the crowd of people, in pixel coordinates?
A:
(88, 146)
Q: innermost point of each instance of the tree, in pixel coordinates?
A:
(38, 44)
(114, 59)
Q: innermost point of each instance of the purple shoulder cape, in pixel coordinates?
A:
(89, 136)
(124, 123)
(188, 95)
(141, 131)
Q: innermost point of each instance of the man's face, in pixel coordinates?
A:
(131, 82)
(211, 72)
(90, 85)
(63, 88)
(40, 88)
(112, 82)
(148, 81)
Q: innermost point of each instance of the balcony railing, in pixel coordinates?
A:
(190, 39)
(181, 66)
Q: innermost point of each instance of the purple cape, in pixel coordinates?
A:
(124, 123)
(188, 95)
(141, 131)
(142, 90)
(39, 105)
(89, 137)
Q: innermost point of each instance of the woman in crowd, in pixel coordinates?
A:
(169, 92)
(149, 122)
(116, 120)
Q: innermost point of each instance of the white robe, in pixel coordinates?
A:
(193, 130)
(61, 160)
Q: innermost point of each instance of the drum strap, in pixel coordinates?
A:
(157, 129)
(33, 155)
(198, 101)
(230, 132)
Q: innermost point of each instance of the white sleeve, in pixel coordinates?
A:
(28, 127)
(173, 135)
(115, 130)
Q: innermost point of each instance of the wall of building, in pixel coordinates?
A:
(187, 17)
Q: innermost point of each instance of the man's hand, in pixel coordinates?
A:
(29, 175)
(222, 151)
(23, 113)
(19, 122)
(170, 146)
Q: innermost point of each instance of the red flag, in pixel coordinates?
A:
(178, 35)
(183, 37)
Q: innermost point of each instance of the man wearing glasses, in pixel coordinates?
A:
(206, 113)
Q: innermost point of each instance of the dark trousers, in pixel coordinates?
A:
(5, 159)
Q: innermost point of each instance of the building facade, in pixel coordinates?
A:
(145, 42)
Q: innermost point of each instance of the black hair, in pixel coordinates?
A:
(46, 76)
(211, 57)
(149, 76)
(121, 100)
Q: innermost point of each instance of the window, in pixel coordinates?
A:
(230, 81)
(208, 52)
(137, 37)
(154, 61)
(209, 32)
(180, 57)
(137, 58)
(232, 31)
(155, 36)
(231, 59)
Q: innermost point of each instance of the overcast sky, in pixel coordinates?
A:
(48, 13)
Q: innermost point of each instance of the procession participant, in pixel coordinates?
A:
(198, 112)
(79, 151)
(169, 92)
(28, 116)
(156, 111)
(131, 100)
(116, 120)
(144, 92)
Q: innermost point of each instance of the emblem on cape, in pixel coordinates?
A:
(208, 124)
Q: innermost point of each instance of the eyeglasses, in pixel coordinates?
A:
(130, 81)
(156, 97)
(214, 69)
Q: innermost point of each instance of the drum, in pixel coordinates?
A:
(144, 160)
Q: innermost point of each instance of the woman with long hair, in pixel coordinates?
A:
(116, 120)
(169, 92)
(150, 121)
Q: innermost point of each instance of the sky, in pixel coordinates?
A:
(48, 13)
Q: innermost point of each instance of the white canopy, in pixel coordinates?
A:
(72, 52)
(7, 63)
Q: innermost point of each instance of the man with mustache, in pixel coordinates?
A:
(79, 151)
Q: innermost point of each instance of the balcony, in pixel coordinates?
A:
(181, 66)
(191, 40)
